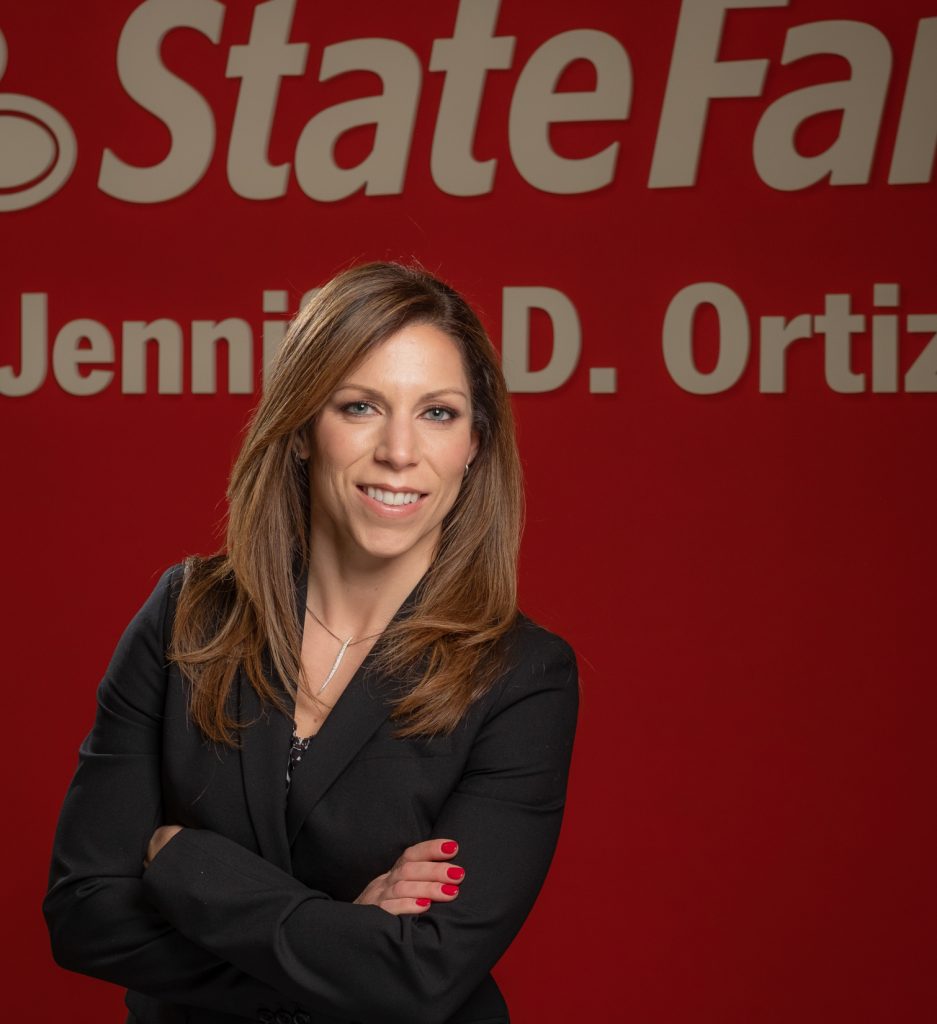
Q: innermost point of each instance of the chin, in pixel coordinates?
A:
(396, 547)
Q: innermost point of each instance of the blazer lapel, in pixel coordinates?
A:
(265, 749)
(265, 743)
(355, 718)
(358, 713)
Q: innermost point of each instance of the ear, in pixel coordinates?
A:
(473, 449)
(300, 442)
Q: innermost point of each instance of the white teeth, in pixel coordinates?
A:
(390, 498)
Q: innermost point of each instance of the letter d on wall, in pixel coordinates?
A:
(515, 339)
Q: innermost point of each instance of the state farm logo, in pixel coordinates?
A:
(37, 145)
(37, 148)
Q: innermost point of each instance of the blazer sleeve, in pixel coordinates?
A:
(359, 962)
(100, 922)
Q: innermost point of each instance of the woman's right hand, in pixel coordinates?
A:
(422, 875)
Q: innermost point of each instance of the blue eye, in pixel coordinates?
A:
(444, 413)
(356, 408)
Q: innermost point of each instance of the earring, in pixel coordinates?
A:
(465, 474)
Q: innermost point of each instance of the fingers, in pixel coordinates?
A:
(431, 849)
(438, 892)
(427, 861)
(422, 876)
(416, 897)
(409, 897)
(399, 907)
(427, 871)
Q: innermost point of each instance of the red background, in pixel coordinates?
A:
(748, 579)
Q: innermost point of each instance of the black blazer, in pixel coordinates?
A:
(248, 913)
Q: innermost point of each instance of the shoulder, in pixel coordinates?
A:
(205, 574)
(164, 590)
(132, 688)
(531, 715)
(150, 618)
(537, 661)
(531, 643)
(147, 633)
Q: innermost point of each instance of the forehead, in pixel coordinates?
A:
(418, 355)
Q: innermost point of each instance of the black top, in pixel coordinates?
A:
(298, 747)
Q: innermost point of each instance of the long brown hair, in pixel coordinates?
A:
(240, 603)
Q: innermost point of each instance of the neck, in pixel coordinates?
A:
(354, 598)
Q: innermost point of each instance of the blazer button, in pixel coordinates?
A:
(265, 1016)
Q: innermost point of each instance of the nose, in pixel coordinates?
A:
(398, 443)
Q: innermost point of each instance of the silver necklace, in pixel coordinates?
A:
(350, 642)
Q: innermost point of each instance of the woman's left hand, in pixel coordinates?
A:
(418, 878)
(158, 840)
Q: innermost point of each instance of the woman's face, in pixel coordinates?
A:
(390, 448)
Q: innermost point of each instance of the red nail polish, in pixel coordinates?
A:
(455, 872)
(450, 890)
(450, 847)
(422, 901)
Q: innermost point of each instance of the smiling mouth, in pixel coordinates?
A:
(391, 498)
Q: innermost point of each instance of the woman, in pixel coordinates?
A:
(328, 768)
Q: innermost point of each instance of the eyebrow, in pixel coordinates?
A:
(374, 393)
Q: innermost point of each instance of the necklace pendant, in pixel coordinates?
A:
(335, 664)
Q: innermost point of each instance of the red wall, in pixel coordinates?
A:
(743, 558)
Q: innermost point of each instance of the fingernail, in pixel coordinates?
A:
(449, 847)
(450, 890)
(455, 872)
(422, 901)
